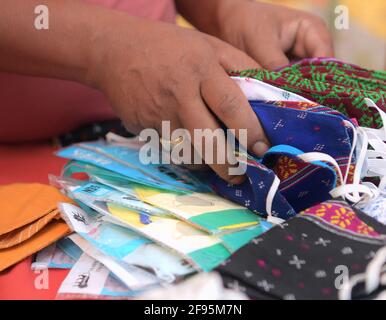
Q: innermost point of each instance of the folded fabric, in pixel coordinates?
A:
(29, 220)
(23, 233)
(332, 83)
(55, 230)
(22, 204)
(302, 258)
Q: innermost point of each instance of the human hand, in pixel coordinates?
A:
(153, 71)
(271, 33)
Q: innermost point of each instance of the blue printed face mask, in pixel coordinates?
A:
(317, 153)
(294, 174)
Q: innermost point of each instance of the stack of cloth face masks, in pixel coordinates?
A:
(139, 228)
(143, 226)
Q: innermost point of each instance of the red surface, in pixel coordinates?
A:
(28, 163)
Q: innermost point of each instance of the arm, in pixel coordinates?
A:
(63, 51)
(150, 71)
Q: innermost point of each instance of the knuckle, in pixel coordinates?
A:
(228, 105)
(315, 20)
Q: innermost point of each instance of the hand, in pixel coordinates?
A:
(270, 33)
(156, 71)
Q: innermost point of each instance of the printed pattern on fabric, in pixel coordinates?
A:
(298, 260)
(332, 83)
(293, 128)
(341, 215)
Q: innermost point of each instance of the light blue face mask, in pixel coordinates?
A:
(124, 245)
(126, 162)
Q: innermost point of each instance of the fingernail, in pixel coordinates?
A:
(259, 148)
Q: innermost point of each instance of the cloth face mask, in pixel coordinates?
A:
(299, 259)
(297, 172)
(332, 83)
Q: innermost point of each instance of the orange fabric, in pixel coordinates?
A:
(28, 163)
(26, 210)
(55, 230)
(21, 204)
(21, 234)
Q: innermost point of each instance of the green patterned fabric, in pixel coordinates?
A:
(332, 83)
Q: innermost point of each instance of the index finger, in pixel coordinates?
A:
(224, 97)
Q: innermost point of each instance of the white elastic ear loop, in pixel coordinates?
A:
(374, 269)
(352, 191)
(347, 190)
(353, 146)
(382, 131)
(345, 293)
(268, 202)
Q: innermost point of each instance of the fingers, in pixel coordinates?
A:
(209, 140)
(229, 104)
(269, 54)
(232, 58)
(313, 39)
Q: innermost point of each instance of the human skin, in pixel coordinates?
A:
(152, 71)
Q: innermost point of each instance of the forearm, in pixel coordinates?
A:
(77, 38)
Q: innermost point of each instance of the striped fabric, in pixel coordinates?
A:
(23, 233)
